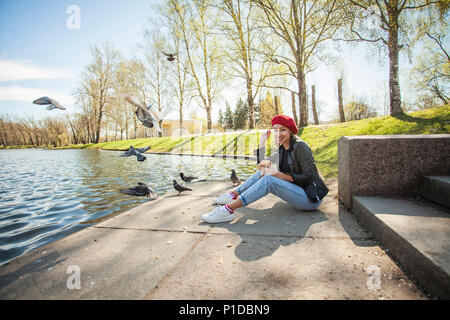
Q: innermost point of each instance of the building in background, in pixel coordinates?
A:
(170, 128)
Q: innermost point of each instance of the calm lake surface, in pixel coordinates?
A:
(48, 194)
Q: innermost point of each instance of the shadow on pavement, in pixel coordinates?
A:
(264, 231)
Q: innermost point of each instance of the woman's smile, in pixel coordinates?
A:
(282, 134)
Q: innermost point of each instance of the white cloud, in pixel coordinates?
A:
(11, 70)
(29, 94)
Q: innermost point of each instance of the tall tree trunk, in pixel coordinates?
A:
(302, 100)
(340, 103)
(251, 106)
(277, 105)
(294, 112)
(394, 84)
(88, 133)
(31, 138)
(181, 120)
(208, 115)
(313, 105)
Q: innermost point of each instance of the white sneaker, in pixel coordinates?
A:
(219, 214)
(226, 198)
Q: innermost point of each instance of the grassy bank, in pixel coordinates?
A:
(158, 144)
(321, 139)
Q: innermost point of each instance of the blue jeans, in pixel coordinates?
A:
(255, 188)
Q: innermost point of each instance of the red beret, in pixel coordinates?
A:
(286, 121)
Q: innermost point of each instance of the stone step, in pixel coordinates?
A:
(417, 235)
(436, 189)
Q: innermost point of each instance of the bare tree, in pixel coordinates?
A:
(3, 131)
(340, 103)
(196, 22)
(156, 69)
(96, 87)
(358, 109)
(389, 24)
(431, 75)
(123, 83)
(303, 26)
(140, 86)
(313, 105)
(294, 112)
(243, 50)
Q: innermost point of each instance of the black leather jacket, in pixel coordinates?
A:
(301, 166)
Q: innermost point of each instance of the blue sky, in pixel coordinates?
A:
(41, 56)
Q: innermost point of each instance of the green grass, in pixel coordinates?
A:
(157, 144)
(17, 147)
(322, 140)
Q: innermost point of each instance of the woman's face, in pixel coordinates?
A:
(281, 134)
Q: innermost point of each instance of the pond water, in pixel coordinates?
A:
(47, 194)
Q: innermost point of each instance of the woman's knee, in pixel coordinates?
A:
(268, 178)
(268, 181)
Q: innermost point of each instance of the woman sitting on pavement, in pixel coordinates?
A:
(290, 174)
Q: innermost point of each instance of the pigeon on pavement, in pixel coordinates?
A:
(179, 187)
(234, 178)
(187, 179)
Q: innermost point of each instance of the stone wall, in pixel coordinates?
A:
(389, 165)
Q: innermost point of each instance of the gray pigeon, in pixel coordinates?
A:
(143, 150)
(134, 152)
(144, 114)
(171, 56)
(187, 179)
(140, 157)
(140, 190)
(179, 187)
(131, 151)
(53, 104)
(234, 177)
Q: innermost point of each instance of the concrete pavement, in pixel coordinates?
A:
(163, 250)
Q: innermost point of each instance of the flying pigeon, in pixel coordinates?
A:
(143, 150)
(140, 190)
(148, 117)
(187, 179)
(234, 177)
(128, 152)
(179, 187)
(134, 152)
(52, 104)
(171, 56)
(131, 151)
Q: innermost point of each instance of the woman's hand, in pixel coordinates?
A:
(271, 171)
(267, 168)
(263, 139)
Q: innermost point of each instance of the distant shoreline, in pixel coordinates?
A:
(321, 139)
(237, 156)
